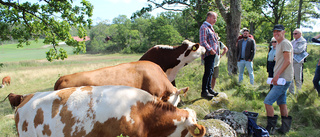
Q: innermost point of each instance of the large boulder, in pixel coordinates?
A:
(237, 120)
(221, 101)
(203, 106)
(217, 128)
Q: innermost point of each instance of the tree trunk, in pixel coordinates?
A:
(233, 21)
(299, 14)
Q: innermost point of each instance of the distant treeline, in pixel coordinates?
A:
(309, 35)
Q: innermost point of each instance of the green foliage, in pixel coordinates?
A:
(27, 21)
(122, 136)
(135, 36)
(305, 109)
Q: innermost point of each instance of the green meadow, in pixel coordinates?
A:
(34, 51)
(30, 72)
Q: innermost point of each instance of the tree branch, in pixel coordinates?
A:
(222, 9)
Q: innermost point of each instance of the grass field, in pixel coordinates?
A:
(34, 51)
(35, 74)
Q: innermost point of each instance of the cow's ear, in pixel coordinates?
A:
(197, 130)
(195, 47)
(183, 91)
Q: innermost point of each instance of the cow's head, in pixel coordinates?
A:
(194, 129)
(174, 97)
(193, 51)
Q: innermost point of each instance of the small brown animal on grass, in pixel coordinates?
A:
(5, 81)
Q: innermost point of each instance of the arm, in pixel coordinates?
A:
(253, 48)
(287, 61)
(225, 50)
(204, 39)
(315, 39)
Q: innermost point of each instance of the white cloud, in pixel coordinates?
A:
(316, 27)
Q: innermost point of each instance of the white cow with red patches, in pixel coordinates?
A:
(103, 111)
(172, 58)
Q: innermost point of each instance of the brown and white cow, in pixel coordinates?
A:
(5, 81)
(103, 111)
(144, 75)
(14, 99)
(172, 58)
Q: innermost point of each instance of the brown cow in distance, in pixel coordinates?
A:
(144, 75)
(172, 58)
(5, 81)
(14, 99)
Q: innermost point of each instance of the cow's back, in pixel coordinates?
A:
(77, 111)
(105, 111)
(144, 75)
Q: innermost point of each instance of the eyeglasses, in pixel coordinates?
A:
(273, 41)
(295, 33)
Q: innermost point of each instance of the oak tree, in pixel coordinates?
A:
(48, 19)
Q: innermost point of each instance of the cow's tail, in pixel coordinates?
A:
(5, 98)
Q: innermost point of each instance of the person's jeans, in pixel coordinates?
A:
(249, 66)
(277, 93)
(208, 71)
(316, 79)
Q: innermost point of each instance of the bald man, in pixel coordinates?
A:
(299, 45)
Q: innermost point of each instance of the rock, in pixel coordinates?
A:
(221, 101)
(217, 128)
(237, 120)
(202, 107)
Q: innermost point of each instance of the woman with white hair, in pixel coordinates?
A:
(271, 58)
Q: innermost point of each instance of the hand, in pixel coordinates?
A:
(274, 80)
(212, 52)
(249, 60)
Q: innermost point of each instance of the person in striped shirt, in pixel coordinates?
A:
(209, 41)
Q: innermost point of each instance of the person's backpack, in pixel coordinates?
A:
(255, 130)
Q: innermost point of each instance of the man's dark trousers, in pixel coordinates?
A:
(208, 71)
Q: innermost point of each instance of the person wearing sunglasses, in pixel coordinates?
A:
(271, 58)
(299, 45)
